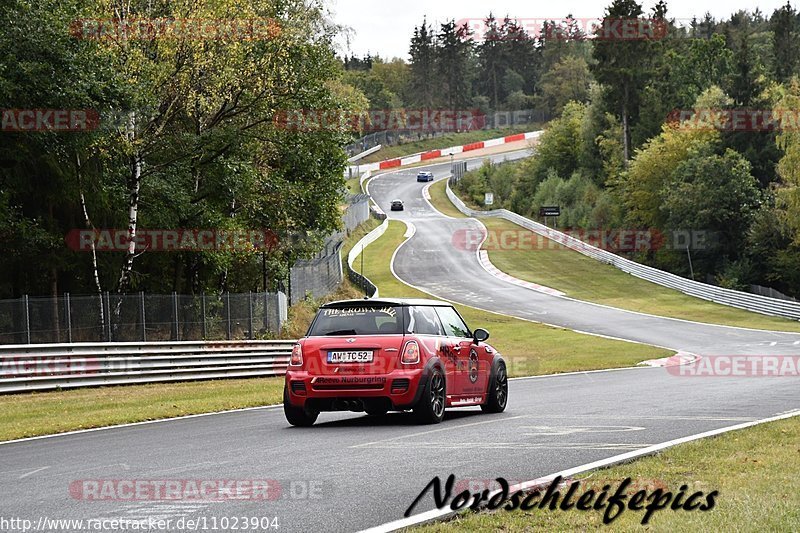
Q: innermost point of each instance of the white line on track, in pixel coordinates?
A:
(23, 476)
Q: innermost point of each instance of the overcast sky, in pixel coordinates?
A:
(385, 28)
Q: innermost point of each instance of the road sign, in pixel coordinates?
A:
(489, 199)
(550, 211)
(459, 169)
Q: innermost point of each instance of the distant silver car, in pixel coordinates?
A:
(397, 205)
(425, 176)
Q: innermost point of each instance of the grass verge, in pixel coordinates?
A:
(441, 202)
(529, 348)
(445, 141)
(759, 489)
(44, 413)
(583, 278)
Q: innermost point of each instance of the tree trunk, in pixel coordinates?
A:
(134, 187)
(89, 226)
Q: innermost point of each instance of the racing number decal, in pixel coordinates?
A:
(473, 366)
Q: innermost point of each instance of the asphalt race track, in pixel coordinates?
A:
(351, 472)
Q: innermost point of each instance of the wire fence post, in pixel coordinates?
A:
(266, 311)
(26, 305)
(203, 310)
(250, 315)
(68, 317)
(108, 319)
(228, 299)
(175, 332)
(142, 317)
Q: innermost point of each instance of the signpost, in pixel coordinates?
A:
(489, 199)
(549, 211)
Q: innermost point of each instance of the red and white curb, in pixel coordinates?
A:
(435, 154)
(483, 257)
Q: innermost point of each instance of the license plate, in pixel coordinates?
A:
(364, 356)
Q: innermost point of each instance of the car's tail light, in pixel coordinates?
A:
(297, 356)
(410, 353)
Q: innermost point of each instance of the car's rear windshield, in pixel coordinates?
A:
(359, 320)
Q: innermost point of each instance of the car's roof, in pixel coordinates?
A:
(386, 301)
(395, 201)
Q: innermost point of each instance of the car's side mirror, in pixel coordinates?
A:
(480, 335)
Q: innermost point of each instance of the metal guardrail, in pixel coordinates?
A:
(732, 298)
(40, 367)
(360, 280)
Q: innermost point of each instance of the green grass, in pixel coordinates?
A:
(445, 141)
(440, 200)
(529, 348)
(44, 413)
(354, 185)
(755, 471)
(583, 278)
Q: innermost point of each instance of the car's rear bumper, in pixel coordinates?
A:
(398, 389)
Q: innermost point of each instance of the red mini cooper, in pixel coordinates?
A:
(383, 355)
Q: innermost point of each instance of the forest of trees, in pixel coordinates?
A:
(187, 137)
(615, 157)
(185, 140)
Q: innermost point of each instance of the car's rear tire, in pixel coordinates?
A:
(298, 416)
(497, 397)
(430, 407)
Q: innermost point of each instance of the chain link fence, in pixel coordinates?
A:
(322, 275)
(141, 317)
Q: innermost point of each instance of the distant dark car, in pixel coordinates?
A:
(425, 176)
(397, 205)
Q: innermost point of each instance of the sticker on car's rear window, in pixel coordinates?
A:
(360, 311)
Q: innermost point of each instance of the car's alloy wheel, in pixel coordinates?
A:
(437, 395)
(498, 390)
(431, 405)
